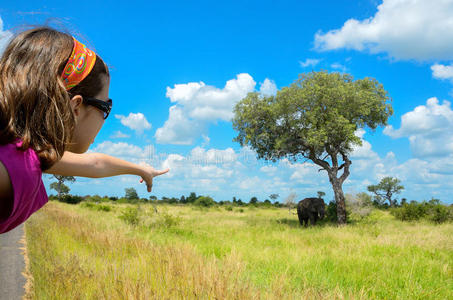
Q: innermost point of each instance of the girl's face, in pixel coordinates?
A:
(89, 120)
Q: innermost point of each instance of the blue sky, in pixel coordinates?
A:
(178, 67)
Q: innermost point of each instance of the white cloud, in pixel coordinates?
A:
(206, 140)
(201, 164)
(251, 183)
(442, 71)
(248, 155)
(5, 37)
(175, 163)
(428, 128)
(118, 134)
(303, 172)
(268, 88)
(119, 149)
(197, 105)
(263, 185)
(306, 173)
(210, 171)
(268, 169)
(125, 151)
(136, 122)
(443, 166)
(405, 29)
(309, 62)
(338, 66)
(199, 155)
(178, 129)
(363, 151)
(204, 102)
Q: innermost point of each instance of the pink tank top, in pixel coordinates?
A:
(25, 174)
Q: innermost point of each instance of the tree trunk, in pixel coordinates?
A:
(336, 182)
(59, 191)
(339, 199)
(389, 198)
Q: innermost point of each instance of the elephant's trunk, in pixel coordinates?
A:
(321, 214)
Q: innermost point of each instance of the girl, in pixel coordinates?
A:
(54, 99)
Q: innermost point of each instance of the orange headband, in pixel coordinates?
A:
(79, 65)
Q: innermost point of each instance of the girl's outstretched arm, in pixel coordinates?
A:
(98, 165)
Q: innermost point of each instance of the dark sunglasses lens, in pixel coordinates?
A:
(106, 113)
(101, 105)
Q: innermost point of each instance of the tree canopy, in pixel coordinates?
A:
(318, 113)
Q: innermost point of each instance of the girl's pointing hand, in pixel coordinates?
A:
(149, 173)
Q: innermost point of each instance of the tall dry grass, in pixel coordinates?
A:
(81, 253)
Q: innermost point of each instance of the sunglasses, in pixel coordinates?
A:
(104, 106)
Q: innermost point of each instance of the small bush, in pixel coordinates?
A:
(266, 204)
(229, 208)
(439, 214)
(432, 211)
(205, 201)
(126, 200)
(95, 198)
(87, 204)
(331, 212)
(52, 197)
(102, 207)
(98, 207)
(167, 220)
(409, 212)
(71, 199)
(130, 216)
(122, 200)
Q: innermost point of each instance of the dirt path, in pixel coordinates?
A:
(12, 264)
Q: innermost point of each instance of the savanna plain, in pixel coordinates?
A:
(144, 251)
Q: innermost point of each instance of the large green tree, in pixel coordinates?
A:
(315, 118)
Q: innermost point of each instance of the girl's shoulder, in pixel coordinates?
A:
(14, 155)
(25, 178)
(21, 165)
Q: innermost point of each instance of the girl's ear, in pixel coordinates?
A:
(76, 103)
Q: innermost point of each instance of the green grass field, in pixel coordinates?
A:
(88, 252)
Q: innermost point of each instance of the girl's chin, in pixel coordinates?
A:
(79, 149)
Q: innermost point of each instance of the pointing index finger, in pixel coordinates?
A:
(163, 171)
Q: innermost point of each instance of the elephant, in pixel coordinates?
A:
(310, 208)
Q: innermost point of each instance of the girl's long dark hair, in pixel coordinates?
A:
(34, 104)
